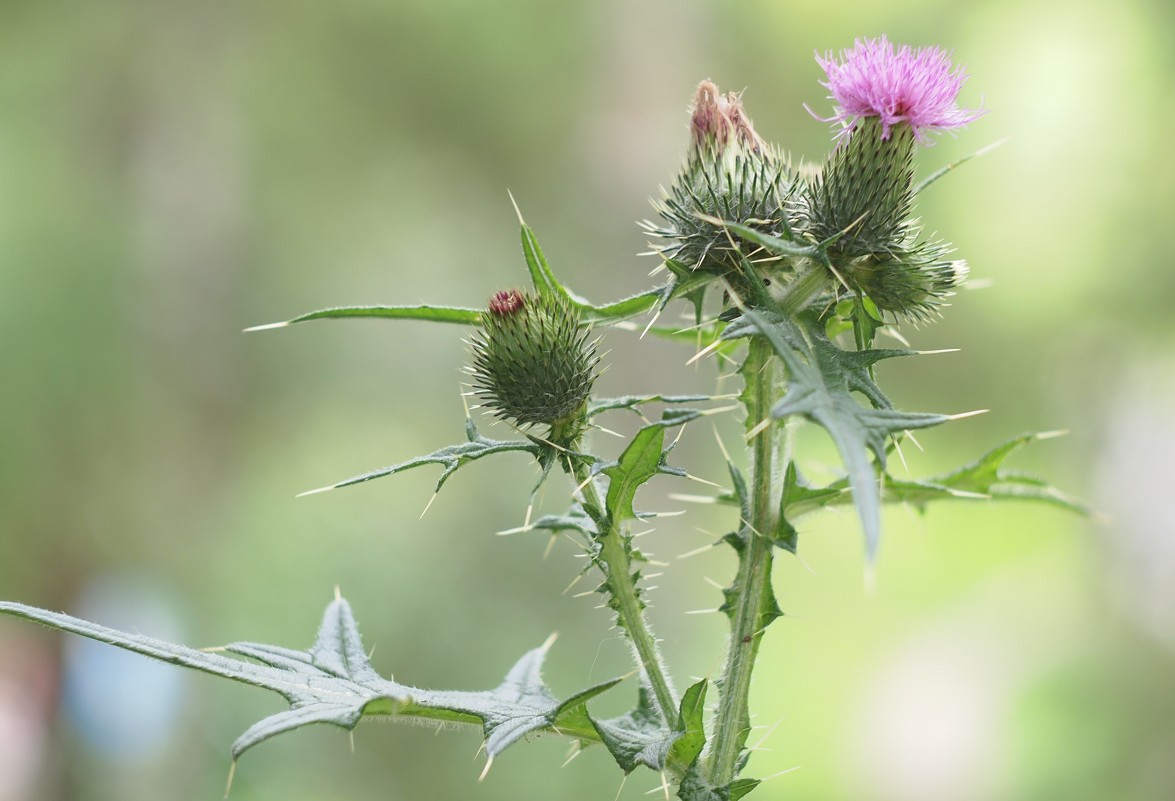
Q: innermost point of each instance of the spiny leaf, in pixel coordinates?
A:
(642, 459)
(521, 704)
(821, 379)
(575, 520)
(452, 458)
(544, 280)
(985, 478)
(688, 745)
(700, 338)
(333, 682)
(741, 496)
(620, 309)
(732, 595)
(740, 787)
(633, 402)
(639, 737)
(639, 462)
(687, 285)
(797, 498)
(436, 314)
(696, 787)
(774, 244)
(540, 271)
(785, 536)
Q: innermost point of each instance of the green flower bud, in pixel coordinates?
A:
(865, 189)
(729, 174)
(533, 363)
(864, 196)
(910, 283)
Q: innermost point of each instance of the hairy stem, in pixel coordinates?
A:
(751, 602)
(615, 560)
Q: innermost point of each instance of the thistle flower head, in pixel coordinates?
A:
(729, 174)
(533, 363)
(904, 86)
(860, 202)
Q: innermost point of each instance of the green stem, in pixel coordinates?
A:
(752, 606)
(615, 560)
(800, 291)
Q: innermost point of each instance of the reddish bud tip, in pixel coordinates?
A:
(506, 303)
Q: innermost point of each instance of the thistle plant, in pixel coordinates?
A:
(791, 273)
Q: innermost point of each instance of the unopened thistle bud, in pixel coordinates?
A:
(865, 191)
(887, 102)
(533, 363)
(730, 174)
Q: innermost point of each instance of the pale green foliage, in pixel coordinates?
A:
(333, 682)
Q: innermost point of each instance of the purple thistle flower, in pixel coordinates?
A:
(915, 87)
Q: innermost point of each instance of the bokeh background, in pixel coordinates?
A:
(172, 172)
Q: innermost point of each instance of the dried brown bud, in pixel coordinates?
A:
(709, 122)
(717, 120)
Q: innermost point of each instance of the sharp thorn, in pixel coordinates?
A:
(265, 327)
(704, 499)
(702, 481)
(758, 429)
(695, 551)
(232, 770)
(521, 221)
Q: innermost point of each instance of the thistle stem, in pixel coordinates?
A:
(800, 291)
(752, 606)
(614, 559)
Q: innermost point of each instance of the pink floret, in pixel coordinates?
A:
(915, 87)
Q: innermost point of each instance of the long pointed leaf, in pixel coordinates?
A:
(334, 682)
(452, 458)
(436, 314)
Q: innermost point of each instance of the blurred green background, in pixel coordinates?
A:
(172, 172)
